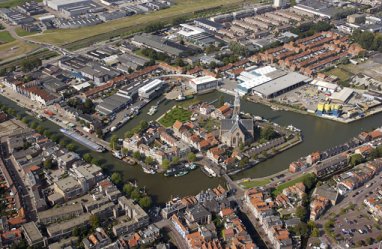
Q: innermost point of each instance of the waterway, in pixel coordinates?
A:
(318, 134)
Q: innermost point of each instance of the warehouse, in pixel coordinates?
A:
(61, 4)
(113, 104)
(160, 44)
(203, 84)
(150, 90)
(280, 85)
(342, 96)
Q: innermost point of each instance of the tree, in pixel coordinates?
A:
(315, 232)
(94, 221)
(40, 129)
(165, 163)
(55, 138)
(244, 162)
(268, 133)
(125, 151)
(356, 159)
(96, 161)
(175, 160)
(25, 120)
(301, 212)
(301, 229)
(34, 125)
(75, 232)
(191, 157)
(149, 160)
(87, 157)
(143, 125)
(71, 147)
(113, 142)
(128, 188)
(48, 163)
(63, 142)
(221, 100)
(137, 155)
(310, 181)
(116, 178)
(135, 195)
(145, 202)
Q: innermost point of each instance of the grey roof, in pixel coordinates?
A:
(161, 44)
(209, 23)
(231, 124)
(31, 230)
(198, 211)
(280, 84)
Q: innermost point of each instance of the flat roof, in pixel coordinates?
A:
(280, 84)
(202, 80)
(342, 95)
(324, 84)
(149, 86)
(61, 210)
(32, 231)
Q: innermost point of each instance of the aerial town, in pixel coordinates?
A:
(199, 124)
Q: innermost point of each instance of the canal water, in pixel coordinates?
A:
(318, 134)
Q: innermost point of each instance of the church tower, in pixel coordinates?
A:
(236, 107)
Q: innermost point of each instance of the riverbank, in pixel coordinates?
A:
(280, 107)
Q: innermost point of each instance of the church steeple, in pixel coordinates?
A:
(236, 107)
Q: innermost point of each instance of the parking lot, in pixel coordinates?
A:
(354, 226)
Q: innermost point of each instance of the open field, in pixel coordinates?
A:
(371, 67)
(12, 3)
(255, 183)
(175, 114)
(5, 37)
(287, 184)
(23, 32)
(340, 73)
(14, 49)
(134, 23)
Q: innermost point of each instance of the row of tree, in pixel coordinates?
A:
(368, 40)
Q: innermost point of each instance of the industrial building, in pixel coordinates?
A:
(203, 84)
(150, 90)
(160, 44)
(198, 36)
(255, 76)
(62, 4)
(113, 104)
(281, 85)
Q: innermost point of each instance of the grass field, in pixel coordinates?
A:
(175, 114)
(255, 183)
(14, 49)
(340, 73)
(23, 32)
(5, 37)
(133, 23)
(280, 188)
(13, 3)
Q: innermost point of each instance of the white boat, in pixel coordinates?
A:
(209, 171)
(117, 154)
(292, 128)
(152, 110)
(148, 171)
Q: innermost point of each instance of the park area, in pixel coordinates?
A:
(177, 113)
(5, 37)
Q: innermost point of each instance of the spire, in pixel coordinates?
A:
(236, 107)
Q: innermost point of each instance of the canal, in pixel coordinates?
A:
(318, 134)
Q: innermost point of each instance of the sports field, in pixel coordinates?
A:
(132, 23)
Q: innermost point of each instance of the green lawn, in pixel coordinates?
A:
(340, 73)
(255, 183)
(13, 3)
(280, 188)
(5, 37)
(175, 114)
(23, 32)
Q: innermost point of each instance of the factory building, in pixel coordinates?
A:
(204, 84)
(62, 4)
(150, 90)
(280, 85)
